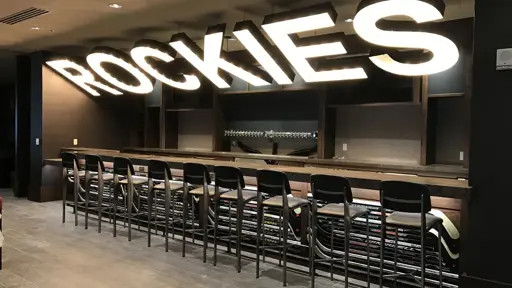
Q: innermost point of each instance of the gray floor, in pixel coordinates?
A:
(40, 251)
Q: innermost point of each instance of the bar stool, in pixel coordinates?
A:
(231, 178)
(197, 174)
(336, 193)
(411, 204)
(275, 184)
(70, 164)
(95, 172)
(160, 170)
(123, 167)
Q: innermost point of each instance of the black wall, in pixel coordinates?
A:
(488, 245)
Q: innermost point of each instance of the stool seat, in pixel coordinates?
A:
(211, 191)
(246, 195)
(293, 202)
(172, 185)
(412, 220)
(136, 180)
(106, 177)
(335, 209)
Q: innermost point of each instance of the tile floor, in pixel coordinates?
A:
(41, 252)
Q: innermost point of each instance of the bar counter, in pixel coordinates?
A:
(439, 187)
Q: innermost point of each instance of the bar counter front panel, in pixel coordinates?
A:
(365, 184)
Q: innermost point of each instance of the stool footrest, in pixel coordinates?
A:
(329, 260)
(276, 246)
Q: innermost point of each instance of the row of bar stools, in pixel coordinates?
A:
(95, 173)
(160, 170)
(411, 204)
(276, 186)
(336, 193)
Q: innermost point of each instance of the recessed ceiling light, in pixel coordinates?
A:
(115, 6)
(35, 28)
(349, 20)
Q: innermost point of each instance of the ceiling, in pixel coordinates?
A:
(75, 26)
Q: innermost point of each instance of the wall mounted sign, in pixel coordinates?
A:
(292, 52)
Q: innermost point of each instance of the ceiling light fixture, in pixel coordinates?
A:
(349, 20)
(160, 51)
(214, 59)
(445, 52)
(115, 6)
(84, 80)
(279, 27)
(256, 43)
(102, 55)
(35, 28)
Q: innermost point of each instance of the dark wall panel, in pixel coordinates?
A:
(103, 122)
(379, 133)
(451, 134)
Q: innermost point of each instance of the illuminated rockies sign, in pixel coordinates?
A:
(282, 28)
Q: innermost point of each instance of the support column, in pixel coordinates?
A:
(487, 249)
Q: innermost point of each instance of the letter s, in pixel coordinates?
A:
(445, 52)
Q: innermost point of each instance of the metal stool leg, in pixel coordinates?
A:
(239, 219)
(166, 229)
(395, 256)
(368, 248)
(280, 236)
(422, 257)
(347, 227)
(314, 230)
(185, 215)
(332, 249)
(64, 193)
(150, 209)
(116, 198)
(258, 232)
(286, 216)
(229, 227)
(173, 197)
(193, 221)
(382, 244)
(75, 192)
(440, 256)
(206, 199)
(216, 226)
(130, 204)
(100, 200)
(87, 185)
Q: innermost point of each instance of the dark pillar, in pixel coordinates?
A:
(28, 126)
(22, 123)
(488, 245)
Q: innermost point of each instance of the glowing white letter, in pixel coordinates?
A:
(212, 59)
(139, 55)
(95, 60)
(279, 30)
(84, 80)
(444, 50)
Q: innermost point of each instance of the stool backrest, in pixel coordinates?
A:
(228, 177)
(274, 183)
(195, 173)
(92, 162)
(405, 197)
(121, 166)
(157, 170)
(331, 189)
(69, 159)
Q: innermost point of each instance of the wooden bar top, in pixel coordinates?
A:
(443, 187)
(439, 171)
